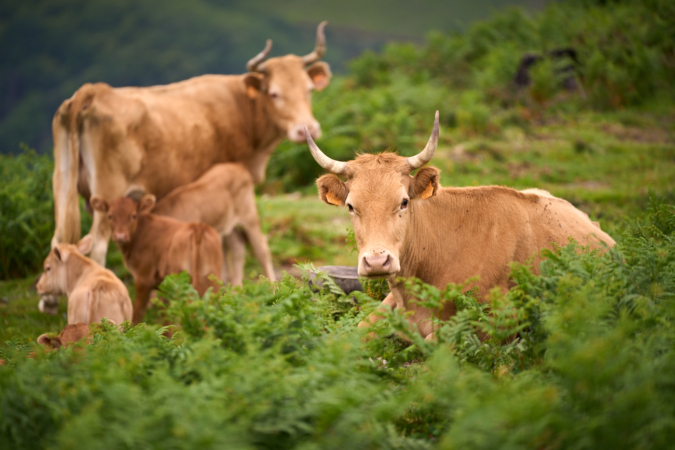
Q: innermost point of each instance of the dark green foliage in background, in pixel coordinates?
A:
(278, 366)
(26, 212)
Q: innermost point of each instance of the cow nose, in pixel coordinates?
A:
(297, 133)
(120, 237)
(377, 264)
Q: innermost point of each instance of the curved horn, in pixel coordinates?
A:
(336, 167)
(319, 48)
(252, 64)
(417, 161)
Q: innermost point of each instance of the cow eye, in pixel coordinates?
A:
(351, 208)
(109, 217)
(48, 269)
(274, 95)
(134, 217)
(404, 204)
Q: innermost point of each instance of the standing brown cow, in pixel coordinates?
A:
(223, 198)
(154, 247)
(409, 226)
(158, 138)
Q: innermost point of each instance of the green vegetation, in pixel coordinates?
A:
(581, 356)
(278, 366)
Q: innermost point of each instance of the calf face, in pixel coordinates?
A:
(381, 196)
(54, 278)
(123, 214)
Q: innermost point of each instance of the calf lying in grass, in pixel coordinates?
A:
(223, 198)
(94, 292)
(71, 333)
(154, 247)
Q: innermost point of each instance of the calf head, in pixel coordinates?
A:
(71, 333)
(381, 196)
(54, 278)
(123, 213)
(285, 84)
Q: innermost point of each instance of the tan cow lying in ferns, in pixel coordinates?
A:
(161, 137)
(93, 291)
(223, 198)
(410, 226)
(154, 246)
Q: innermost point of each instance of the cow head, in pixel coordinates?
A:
(123, 214)
(381, 196)
(285, 84)
(54, 278)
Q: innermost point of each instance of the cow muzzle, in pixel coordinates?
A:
(380, 263)
(122, 238)
(297, 132)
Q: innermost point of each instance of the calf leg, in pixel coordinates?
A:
(234, 250)
(141, 302)
(251, 224)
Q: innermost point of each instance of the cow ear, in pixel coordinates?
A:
(425, 183)
(147, 203)
(332, 190)
(85, 244)
(320, 74)
(253, 83)
(99, 204)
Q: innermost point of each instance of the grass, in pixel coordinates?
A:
(604, 163)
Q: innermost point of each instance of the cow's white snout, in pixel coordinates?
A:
(378, 263)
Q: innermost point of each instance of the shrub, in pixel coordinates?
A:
(581, 356)
(26, 212)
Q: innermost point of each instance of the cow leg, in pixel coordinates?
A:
(234, 252)
(141, 302)
(389, 302)
(100, 231)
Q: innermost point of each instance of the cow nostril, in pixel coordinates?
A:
(365, 262)
(387, 262)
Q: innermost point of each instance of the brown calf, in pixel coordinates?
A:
(154, 247)
(223, 198)
(93, 291)
(71, 333)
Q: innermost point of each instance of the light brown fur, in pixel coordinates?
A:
(154, 246)
(223, 198)
(455, 234)
(107, 139)
(93, 291)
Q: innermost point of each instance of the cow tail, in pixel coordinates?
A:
(66, 173)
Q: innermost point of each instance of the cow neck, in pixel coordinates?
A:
(435, 226)
(263, 132)
(77, 268)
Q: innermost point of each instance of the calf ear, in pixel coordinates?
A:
(99, 204)
(85, 244)
(147, 203)
(61, 253)
(332, 190)
(253, 83)
(425, 183)
(320, 74)
(50, 342)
